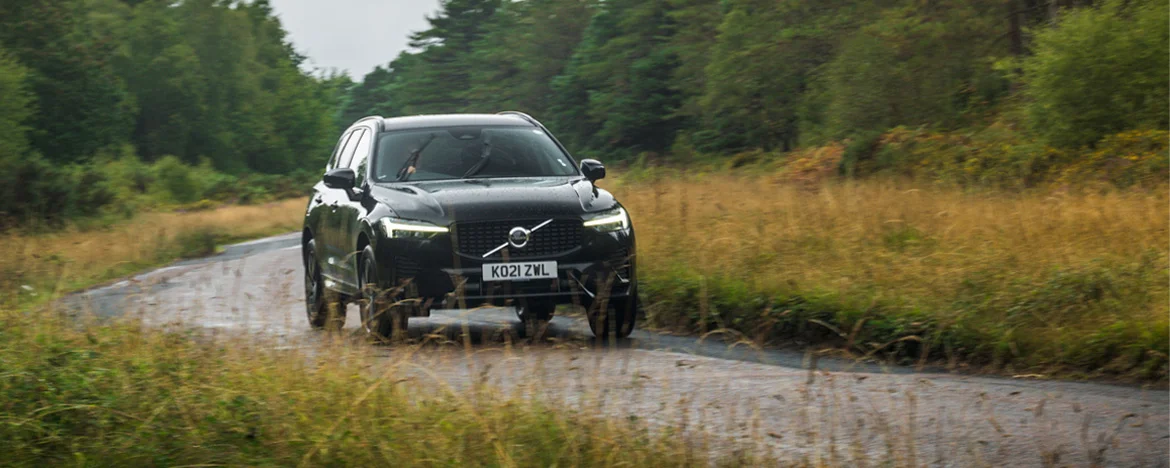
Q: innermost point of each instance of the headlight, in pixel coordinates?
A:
(610, 221)
(403, 229)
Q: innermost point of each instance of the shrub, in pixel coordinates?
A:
(1099, 71)
(175, 180)
(1133, 158)
(995, 157)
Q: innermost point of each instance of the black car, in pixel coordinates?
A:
(458, 211)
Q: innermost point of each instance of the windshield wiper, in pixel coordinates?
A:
(407, 168)
(484, 158)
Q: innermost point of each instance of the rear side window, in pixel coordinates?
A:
(337, 151)
(361, 158)
(350, 146)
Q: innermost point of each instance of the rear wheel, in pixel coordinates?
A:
(613, 318)
(534, 318)
(383, 315)
(323, 307)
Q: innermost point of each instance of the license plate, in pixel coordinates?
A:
(519, 271)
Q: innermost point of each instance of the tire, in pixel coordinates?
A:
(612, 319)
(534, 318)
(382, 315)
(323, 308)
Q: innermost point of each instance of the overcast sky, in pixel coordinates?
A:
(353, 35)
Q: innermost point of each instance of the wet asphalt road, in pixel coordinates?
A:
(844, 413)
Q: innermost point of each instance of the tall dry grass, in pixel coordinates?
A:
(39, 264)
(1049, 281)
(1036, 281)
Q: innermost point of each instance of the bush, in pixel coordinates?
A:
(1100, 71)
(37, 191)
(994, 157)
(175, 180)
(1133, 158)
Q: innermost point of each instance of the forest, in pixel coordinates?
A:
(110, 107)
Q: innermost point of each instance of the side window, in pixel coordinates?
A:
(337, 151)
(361, 158)
(350, 146)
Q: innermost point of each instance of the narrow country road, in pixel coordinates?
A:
(732, 396)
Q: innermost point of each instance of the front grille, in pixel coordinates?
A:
(558, 237)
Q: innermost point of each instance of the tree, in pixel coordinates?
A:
(370, 97)
(616, 95)
(696, 28)
(165, 76)
(917, 65)
(525, 46)
(82, 104)
(15, 108)
(1100, 71)
(437, 77)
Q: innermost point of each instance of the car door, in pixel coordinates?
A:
(317, 214)
(332, 240)
(351, 211)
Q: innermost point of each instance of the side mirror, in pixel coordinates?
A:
(593, 169)
(342, 178)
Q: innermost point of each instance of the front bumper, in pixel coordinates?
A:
(604, 266)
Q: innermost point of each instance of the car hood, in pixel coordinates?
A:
(448, 201)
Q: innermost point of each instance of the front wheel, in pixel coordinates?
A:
(382, 313)
(323, 307)
(614, 317)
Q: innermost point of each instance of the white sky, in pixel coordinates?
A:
(352, 35)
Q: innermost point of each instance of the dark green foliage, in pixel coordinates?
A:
(617, 89)
(15, 108)
(1100, 71)
(916, 65)
(620, 78)
(370, 97)
(198, 80)
(436, 79)
(525, 46)
(82, 104)
(175, 179)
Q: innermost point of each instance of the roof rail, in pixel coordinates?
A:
(523, 116)
(372, 117)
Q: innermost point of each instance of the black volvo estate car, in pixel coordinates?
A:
(458, 211)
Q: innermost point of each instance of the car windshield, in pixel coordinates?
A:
(463, 152)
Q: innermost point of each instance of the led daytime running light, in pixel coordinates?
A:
(619, 217)
(391, 226)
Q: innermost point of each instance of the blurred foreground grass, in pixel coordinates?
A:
(121, 395)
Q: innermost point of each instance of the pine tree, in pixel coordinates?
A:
(436, 79)
(617, 92)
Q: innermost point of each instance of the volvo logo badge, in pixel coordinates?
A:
(518, 237)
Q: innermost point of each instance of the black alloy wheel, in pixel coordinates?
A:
(382, 313)
(612, 318)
